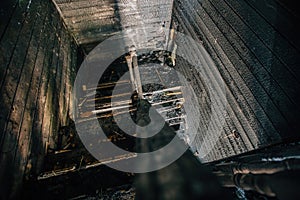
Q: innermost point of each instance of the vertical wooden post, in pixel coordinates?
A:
(137, 76)
(129, 63)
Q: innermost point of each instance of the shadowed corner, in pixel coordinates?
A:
(185, 178)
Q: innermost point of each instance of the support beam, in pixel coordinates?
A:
(172, 89)
(137, 76)
(129, 63)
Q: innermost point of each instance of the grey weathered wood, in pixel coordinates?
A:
(263, 103)
(89, 21)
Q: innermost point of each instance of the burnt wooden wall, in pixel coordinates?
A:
(89, 22)
(254, 44)
(256, 47)
(37, 67)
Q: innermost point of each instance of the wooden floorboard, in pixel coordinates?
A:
(258, 67)
(89, 21)
(7, 12)
(94, 21)
(245, 75)
(35, 50)
(24, 130)
(255, 58)
(281, 16)
(256, 120)
(272, 40)
(33, 104)
(263, 52)
(12, 79)
(236, 126)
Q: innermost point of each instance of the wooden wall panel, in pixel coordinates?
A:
(38, 64)
(255, 47)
